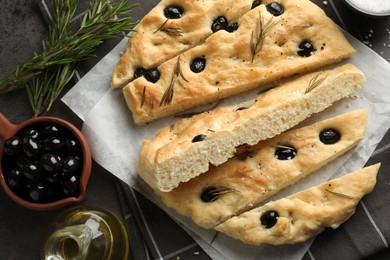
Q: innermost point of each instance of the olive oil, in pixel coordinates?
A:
(86, 233)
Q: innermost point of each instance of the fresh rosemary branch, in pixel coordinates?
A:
(258, 35)
(45, 74)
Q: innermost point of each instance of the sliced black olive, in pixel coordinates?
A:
(269, 218)
(275, 8)
(139, 72)
(13, 146)
(152, 75)
(220, 23)
(197, 65)
(199, 138)
(285, 153)
(305, 49)
(232, 27)
(256, 3)
(330, 136)
(173, 12)
(209, 194)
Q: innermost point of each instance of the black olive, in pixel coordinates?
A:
(13, 146)
(330, 136)
(31, 132)
(305, 49)
(71, 186)
(269, 218)
(220, 23)
(53, 178)
(152, 75)
(198, 64)
(51, 130)
(285, 153)
(256, 3)
(32, 172)
(232, 27)
(199, 138)
(53, 144)
(275, 8)
(71, 165)
(50, 162)
(37, 192)
(71, 146)
(31, 147)
(14, 178)
(21, 161)
(139, 72)
(173, 12)
(209, 195)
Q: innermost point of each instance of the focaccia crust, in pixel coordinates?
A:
(255, 173)
(231, 65)
(150, 45)
(304, 214)
(172, 156)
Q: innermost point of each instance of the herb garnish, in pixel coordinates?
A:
(339, 194)
(258, 35)
(170, 31)
(217, 192)
(70, 41)
(168, 94)
(315, 82)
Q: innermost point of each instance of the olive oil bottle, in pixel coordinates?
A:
(86, 232)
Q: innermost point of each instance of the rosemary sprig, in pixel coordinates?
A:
(261, 31)
(339, 194)
(217, 192)
(315, 82)
(46, 74)
(174, 31)
(168, 94)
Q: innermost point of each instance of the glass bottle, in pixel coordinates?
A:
(86, 232)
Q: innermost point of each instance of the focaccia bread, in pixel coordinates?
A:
(170, 28)
(305, 214)
(184, 150)
(273, 41)
(257, 172)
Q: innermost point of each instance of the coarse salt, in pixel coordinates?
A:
(375, 6)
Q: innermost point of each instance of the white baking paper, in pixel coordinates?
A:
(115, 141)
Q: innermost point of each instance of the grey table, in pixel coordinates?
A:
(22, 28)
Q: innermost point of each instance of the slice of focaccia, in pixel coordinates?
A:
(305, 214)
(260, 171)
(184, 150)
(172, 27)
(273, 41)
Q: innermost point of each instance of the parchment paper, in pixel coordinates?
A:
(115, 141)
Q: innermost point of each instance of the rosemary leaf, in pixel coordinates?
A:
(170, 31)
(261, 31)
(339, 194)
(315, 82)
(168, 94)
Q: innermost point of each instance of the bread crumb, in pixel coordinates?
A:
(196, 253)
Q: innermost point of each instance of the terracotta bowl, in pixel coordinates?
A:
(8, 130)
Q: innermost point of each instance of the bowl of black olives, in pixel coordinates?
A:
(45, 162)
